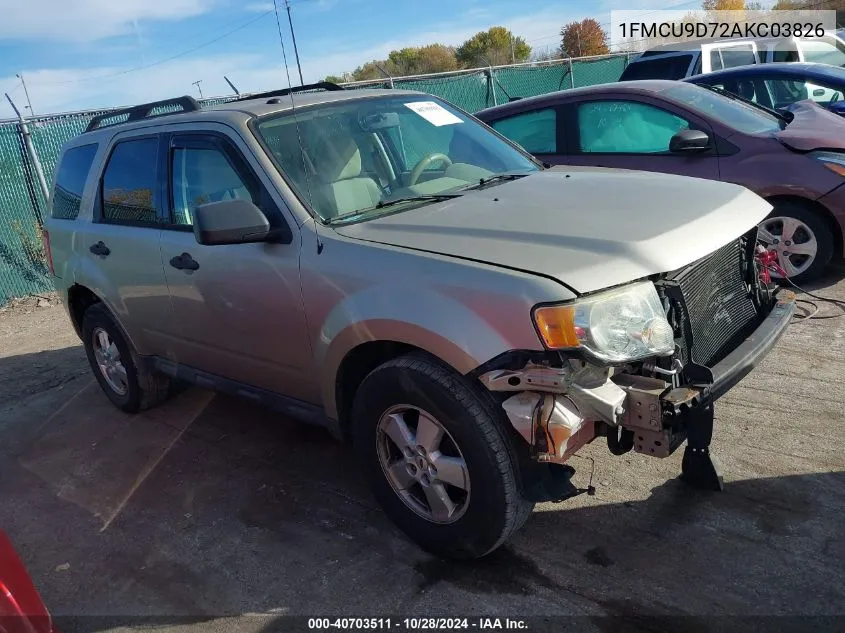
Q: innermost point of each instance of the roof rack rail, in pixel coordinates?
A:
(320, 85)
(143, 111)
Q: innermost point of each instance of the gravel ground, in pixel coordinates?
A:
(207, 508)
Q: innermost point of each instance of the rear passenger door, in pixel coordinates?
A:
(120, 248)
(237, 309)
(536, 131)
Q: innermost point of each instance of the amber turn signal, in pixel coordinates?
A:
(556, 325)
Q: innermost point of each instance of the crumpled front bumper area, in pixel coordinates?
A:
(559, 410)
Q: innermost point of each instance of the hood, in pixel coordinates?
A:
(813, 127)
(590, 228)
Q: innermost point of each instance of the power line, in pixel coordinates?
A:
(161, 61)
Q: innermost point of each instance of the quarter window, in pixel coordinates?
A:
(201, 175)
(130, 182)
(70, 181)
(626, 127)
(535, 131)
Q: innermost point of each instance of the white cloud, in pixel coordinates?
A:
(258, 7)
(87, 20)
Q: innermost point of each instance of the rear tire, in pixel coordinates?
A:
(422, 399)
(805, 229)
(124, 378)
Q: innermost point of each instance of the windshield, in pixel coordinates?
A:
(670, 67)
(741, 116)
(365, 155)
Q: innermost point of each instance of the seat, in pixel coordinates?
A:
(338, 161)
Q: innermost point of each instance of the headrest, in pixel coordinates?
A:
(336, 156)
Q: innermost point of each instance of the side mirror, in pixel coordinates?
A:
(688, 141)
(230, 222)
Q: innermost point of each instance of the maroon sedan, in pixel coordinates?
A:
(794, 160)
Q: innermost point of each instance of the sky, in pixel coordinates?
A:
(84, 54)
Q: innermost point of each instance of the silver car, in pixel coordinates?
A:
(382, 263)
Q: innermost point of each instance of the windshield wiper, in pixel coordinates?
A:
(483, 182)
(383, 204)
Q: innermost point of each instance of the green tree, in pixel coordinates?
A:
(433, 58)
(584, 38)
(497, 46)
(368, 71)
(334, 79)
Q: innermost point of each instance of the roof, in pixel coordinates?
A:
(785, 69)
(244, 109)
(263, 106)
(636, 87)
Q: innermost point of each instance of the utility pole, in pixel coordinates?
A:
(32, 156)
(293, 37)
(513, 54)
(26, 92)
(197, 84)
(231, 85)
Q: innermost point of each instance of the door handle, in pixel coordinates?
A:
(100, 249)
(184, 262)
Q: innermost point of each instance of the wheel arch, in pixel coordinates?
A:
(79, 299)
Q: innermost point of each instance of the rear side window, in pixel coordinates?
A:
(535, 131)
(130, 183)
(738, 56)
(70, 181)
(672, 67)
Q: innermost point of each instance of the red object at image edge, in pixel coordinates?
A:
(21, 608)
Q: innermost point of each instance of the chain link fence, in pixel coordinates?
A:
(22, 268)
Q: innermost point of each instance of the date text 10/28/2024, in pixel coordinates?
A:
(416, 624)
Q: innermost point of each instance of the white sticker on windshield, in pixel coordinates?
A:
(433, 112)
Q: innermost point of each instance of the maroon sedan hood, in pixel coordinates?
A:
(813, 128)
(21, 608)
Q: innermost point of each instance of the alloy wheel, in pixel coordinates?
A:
(108, 360)
(423, 464)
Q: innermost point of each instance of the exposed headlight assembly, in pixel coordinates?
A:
(620, 325)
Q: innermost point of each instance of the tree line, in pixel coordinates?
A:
(499, 46)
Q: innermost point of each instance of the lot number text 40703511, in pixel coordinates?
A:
(416, 624)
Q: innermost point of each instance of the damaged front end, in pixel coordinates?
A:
(724, 319)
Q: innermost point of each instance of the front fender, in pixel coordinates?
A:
(434, 322)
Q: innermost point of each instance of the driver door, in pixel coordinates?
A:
(631, 134)
(237, 309)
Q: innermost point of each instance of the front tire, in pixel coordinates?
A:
(437, 458)
(126, 381)
(801, 238)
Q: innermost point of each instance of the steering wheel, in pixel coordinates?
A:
(417, 171)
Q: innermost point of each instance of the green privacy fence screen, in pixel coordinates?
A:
(22, 268)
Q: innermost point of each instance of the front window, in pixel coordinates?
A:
(357, 156)
(735, 114)
(626, 127)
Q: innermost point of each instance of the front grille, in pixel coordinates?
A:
(717, 303)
